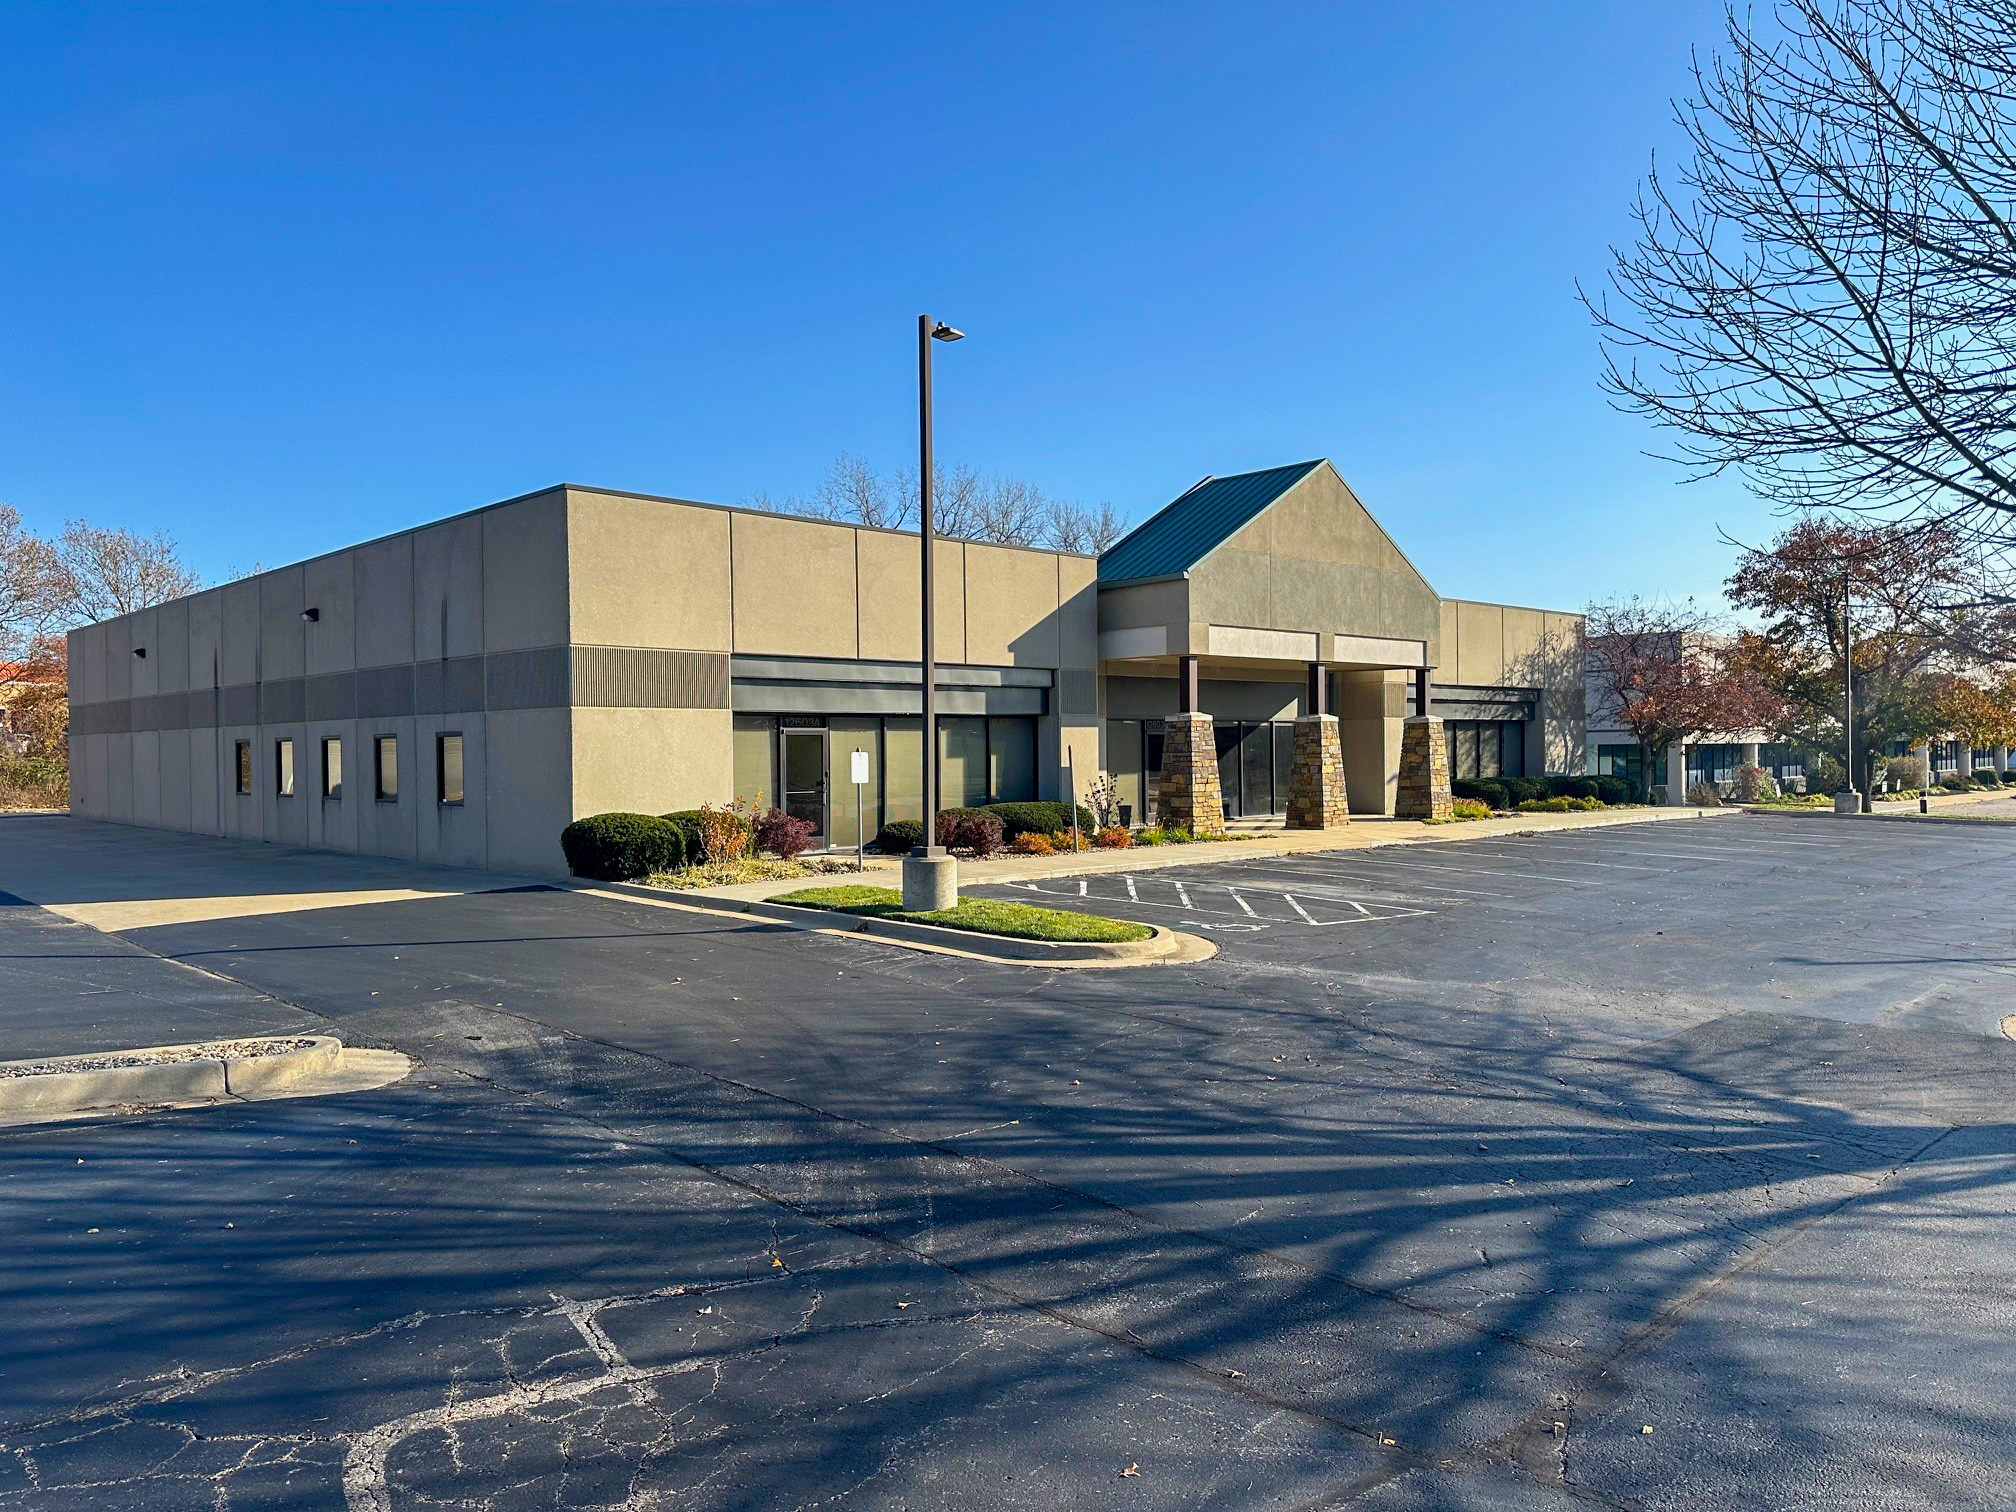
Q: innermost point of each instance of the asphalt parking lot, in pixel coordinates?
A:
(1458, 1170)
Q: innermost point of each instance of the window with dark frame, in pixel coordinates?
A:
(448, 768)
(332, 767)
(283, 768)
(244, 767)
(386, 750)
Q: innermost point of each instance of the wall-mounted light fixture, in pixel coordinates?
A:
(311, 615)
(140, 651)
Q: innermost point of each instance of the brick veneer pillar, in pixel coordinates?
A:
(1316, 775)
(1188, 797)
(1424, 770)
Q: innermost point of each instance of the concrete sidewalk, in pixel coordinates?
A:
(1363, 833)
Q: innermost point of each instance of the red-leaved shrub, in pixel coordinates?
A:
(783, 836)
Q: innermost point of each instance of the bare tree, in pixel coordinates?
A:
(1824, 297)
(852, 490)
(1074, 527)
(114, 572)
(35, 595)
(1665, 672)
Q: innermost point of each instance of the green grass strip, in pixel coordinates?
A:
(1017, 921)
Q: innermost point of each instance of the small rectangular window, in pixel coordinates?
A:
(332, 768)
(244, 764)
(283, 768)
(448, 767)
(388, 768)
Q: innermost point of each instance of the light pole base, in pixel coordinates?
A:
(1848, 801)
(929, 883)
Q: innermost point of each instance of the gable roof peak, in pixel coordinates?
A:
(1187, 529)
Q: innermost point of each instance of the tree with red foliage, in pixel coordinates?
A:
(1665, 672)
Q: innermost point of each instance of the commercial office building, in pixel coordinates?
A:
(459, 692)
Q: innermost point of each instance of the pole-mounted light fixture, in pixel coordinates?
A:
(311, 615)
(943, 332)
(140, 651)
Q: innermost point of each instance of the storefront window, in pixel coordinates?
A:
(844, 738)
(1011, 761)
(902, 769)
(962, 762)
(755, 747)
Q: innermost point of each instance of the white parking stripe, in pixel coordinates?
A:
(1130, 888)
(1242, 903)
(1348, 879)
(1181, 893)
(1481, 871)
(1473, 846)
(1301, 910)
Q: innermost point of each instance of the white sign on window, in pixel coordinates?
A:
(860, 765)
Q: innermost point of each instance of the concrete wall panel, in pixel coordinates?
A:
(1011, 607)
(146, 777)
(650, 761)
(890, 609)
(329, 587)
(385, 602)
(794, 587)
(451, 834)
(392, 827)
(283, 638)
(208, 782)
(530, 775)
(645, 573)
(171, 633)
(173, 760)
(525, 574)
(448, 589)
(206, 624)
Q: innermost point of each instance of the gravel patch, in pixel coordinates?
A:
(227, 1050)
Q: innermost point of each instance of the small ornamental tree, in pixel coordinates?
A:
(1667, 673)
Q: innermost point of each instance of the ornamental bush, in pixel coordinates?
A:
(1486, 790)
(899, 837)
(1526, 789)
(1113, 837)
(1987, 777)
(979, 832)
(1572, 786)
(1560, 805)
(1953, 782)
(1032, 845)
(1040, 818)
(1905, 772)
(621, 847)
(1704, 795)
(1469, 808)
(1754, 784)
(782, 835)
(1614, 790)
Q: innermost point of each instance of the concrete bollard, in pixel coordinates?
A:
(930, 883)
(1848, 801)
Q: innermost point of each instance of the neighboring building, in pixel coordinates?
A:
(459, 692)
(1715, 757)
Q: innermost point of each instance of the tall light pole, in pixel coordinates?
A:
(1848, 693)
(930, 879)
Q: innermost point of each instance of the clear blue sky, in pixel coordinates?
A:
(277, 278)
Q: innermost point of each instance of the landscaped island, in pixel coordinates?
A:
(1018, 921)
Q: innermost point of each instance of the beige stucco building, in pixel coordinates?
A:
(459, 692)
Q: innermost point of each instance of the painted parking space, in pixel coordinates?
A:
(1243, 907)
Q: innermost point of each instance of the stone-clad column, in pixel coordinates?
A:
(1316, 775)
(1188, 797)
(1424, 770)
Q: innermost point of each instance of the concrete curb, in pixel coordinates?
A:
(195, 1079)
(1178, 949)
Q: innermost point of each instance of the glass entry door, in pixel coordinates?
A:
(804, 778)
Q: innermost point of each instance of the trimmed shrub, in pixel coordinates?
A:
(1704, 795)
(2009, 778)
(1526, 789)
(1572, 786)
(1060, 840)
(1561, 804)
(1826, 775)
(621, 847)
(1032, 845)
(783, 836)
(687, 822)
(1489, 791)
(899, 837)
(1044, 818)
(1469, 808)
(1987, 777)
(979, 832)
(1953, 782)
(1614, 790)
(1113, 838)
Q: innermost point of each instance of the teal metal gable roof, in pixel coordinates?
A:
(1179, 536)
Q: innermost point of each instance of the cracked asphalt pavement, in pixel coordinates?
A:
(1666, 1166)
